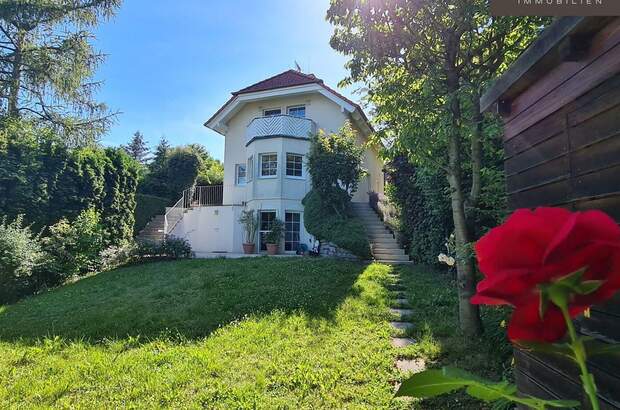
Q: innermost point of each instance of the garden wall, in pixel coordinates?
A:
(561, 109)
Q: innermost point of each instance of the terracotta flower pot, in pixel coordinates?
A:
(272, 248)
(248, 248)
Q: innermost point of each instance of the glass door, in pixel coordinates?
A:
(266, 219)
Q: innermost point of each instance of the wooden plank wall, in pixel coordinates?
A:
(562, 146)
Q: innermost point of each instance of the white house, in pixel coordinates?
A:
(267, 128)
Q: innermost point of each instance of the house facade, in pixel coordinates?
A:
(268, 128)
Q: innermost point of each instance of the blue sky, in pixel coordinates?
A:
(172, 64)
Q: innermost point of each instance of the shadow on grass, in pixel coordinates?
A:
(189, 299)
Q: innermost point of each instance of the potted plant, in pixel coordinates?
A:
(250, 224)
(272, 238)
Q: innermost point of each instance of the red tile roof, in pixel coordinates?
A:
(288, 78)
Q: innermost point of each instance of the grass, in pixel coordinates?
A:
(433, 298)
(248, 333)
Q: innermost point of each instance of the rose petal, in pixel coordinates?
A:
(527, 325)
(521, 241)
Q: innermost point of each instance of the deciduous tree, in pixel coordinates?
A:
(425, 63)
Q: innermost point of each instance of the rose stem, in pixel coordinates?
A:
(580, 356)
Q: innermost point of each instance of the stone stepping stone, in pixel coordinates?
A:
(402, 341)
(396, 287)
(410, 366)
(401, 302)
(401, 312)
(402, 325)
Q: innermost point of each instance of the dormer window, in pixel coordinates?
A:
(297, 111)
(271, 112)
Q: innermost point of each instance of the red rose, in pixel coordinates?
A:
(534, 248)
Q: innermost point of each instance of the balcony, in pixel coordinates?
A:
(279, 126)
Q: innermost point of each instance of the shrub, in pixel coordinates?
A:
(250, 225)
(20, 258)
(169, 248)
(421, 197)
(46, 181)
(335, 164)
(344, 231)
(73, 248)
(115, 256)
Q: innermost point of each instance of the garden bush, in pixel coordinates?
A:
(74, 248)
(343, 230)
(45, 180)
(169, 248)
(21, 257)
(422, 199)
(335, 164)
(169, 176)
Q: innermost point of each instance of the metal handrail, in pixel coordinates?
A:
(211, 195)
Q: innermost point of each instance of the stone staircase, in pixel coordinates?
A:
(154, 229)
(384, 246)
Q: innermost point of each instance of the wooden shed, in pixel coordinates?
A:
(560, 103)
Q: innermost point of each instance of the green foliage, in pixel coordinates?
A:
(41, 178)
(169, 248)
(175, 169)
(73, 248)
(335, 164)
(20, 258)
(343, 230)
(431, 383)
(119, 203)
(148, 206)
(250, 225)
(276, 232)
(48, 61)
(137, 148)
(421, 197)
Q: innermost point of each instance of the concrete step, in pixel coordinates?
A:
(384, 253)
(391, 258)
(381, 235)
(399, 342)
(393, 244)
(404, 326)
(394, 262)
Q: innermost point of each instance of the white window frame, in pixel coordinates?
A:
(237, 176)
(260, 165)
(249, 169)
(262, 232)
(272, 109)
(303, 174)
(288, 110)
(300, 225)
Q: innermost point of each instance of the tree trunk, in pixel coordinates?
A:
(469, 315)
(476, 152)
(15, 83)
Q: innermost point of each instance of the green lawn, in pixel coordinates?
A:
(249, 333)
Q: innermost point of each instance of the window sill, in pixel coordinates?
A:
(268, 177)
(297, 178)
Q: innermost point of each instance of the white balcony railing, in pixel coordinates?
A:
(280, 126)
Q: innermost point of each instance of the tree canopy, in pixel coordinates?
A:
(425, 63)
(47, 62)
